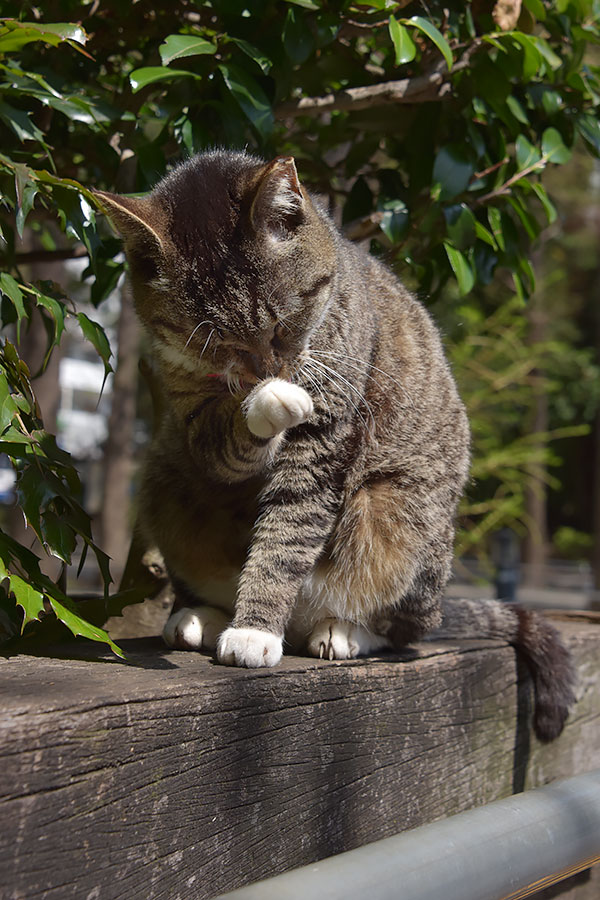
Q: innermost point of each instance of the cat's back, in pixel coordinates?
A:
(411, 390)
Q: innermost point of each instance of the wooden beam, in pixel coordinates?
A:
(174, 777)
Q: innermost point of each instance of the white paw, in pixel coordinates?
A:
(276, 405)
(335, 639)
(193, 629)
(250, 647)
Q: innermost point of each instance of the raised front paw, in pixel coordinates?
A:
(276, 405)
(250, 647)
(195, 628)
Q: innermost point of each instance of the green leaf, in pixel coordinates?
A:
(484, 235)
(26, 190)
(554, 148)
(552, 102)
(394, 223)
(57, 312)
(8, 407)
(95, 334)
(536, 8)
(429, 29)
(250, 96)
(528, 221)
(67, 613)
(298, 39)
(517, 110)
(59, 537)
(11, 289)
(404, 45)
(461, 268)
(527, 154)
(18, 121)
(452, 170)
(589, 128)
(250, 50)
(547, 204)
(15, 34)
(460, 226)
(307, 4)
(546, 51)
(532, 59)
(176, 46)
(30, 600)
(495, 220)
(141, 78)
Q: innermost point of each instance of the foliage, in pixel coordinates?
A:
(430, 133)
(500, 374)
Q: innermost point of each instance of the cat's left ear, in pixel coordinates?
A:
(144, 227)
(279, 203)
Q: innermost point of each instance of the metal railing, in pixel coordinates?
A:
(503, 851)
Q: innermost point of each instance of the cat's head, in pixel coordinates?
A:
(231, 263)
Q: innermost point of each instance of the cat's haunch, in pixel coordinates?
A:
(303, 480)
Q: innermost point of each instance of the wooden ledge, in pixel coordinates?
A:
(173, 777)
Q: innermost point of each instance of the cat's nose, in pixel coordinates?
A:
(264, 364)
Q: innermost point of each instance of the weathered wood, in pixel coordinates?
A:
(176, 778)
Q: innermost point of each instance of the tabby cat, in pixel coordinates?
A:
(304, 478)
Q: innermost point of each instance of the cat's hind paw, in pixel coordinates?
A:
(250, 647)
(195, 628)
(335, 639)
(275, 406)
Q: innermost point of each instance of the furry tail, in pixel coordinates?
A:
(535, 638)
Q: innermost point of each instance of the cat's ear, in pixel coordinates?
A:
(143, 226)
(279, 203)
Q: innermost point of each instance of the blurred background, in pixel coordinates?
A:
(458, 142)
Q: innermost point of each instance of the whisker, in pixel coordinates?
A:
(328, 369)
(343, 393)
(345, 356)
(199, 325)
(352, 387)
(206, 343)
(317, 387)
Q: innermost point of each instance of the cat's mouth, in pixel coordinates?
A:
(246, 369)
(234, 381)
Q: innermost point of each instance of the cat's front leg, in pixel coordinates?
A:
(299, 507)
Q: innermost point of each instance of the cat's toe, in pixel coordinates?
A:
(194, 629)
(249, 647)
(331, 639)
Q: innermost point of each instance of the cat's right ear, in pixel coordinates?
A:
(142, 226)
(279, 203)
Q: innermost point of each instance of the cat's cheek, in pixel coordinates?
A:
(249, 647)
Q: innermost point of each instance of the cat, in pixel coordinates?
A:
(304, 477)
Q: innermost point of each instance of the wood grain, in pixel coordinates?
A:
(176, 778)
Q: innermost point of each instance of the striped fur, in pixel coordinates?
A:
(336, 527)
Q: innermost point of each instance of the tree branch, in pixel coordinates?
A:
(433, 85)
(423, 89)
